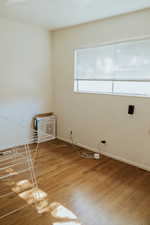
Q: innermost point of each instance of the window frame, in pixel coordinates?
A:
(112, 80)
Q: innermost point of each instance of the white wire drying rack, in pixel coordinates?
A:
(17, 172)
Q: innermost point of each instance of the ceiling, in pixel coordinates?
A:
(54, 14)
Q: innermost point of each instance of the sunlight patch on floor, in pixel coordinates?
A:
(61, 212)
(11, 172)
(22, 186)
(33, 195)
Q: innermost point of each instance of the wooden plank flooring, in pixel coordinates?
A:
(98, 192)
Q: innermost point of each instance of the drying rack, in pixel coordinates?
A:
(18, 183)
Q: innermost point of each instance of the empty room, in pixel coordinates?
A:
(74, 112)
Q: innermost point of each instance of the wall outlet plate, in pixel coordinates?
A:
(96, 155)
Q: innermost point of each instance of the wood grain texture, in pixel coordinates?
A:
(98, 192)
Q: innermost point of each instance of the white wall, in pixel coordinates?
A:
(25, 78)
(92, 117)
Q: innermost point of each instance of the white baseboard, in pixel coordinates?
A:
(141, 166)
(14, 145)
(108, 154)
(78, 144)
(64, 139)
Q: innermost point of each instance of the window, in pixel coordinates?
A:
(122, 68)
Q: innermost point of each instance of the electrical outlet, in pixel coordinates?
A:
(96, 155)
(101, 145)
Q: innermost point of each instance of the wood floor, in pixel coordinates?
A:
(98, 192)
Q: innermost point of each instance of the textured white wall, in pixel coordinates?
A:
(92, 117)
(25, 78)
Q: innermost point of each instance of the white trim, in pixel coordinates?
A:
(141, 166)
(130, 40)
(120, 41)
(117, 80)
(113, 94)
(78, 144)
(108, 154)
(64, 139)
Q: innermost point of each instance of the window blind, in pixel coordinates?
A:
(100, 68)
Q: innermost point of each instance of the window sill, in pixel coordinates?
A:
(113, 94)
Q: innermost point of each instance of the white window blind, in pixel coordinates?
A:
(122, 68)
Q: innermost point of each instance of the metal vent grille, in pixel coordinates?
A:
(46, 125)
